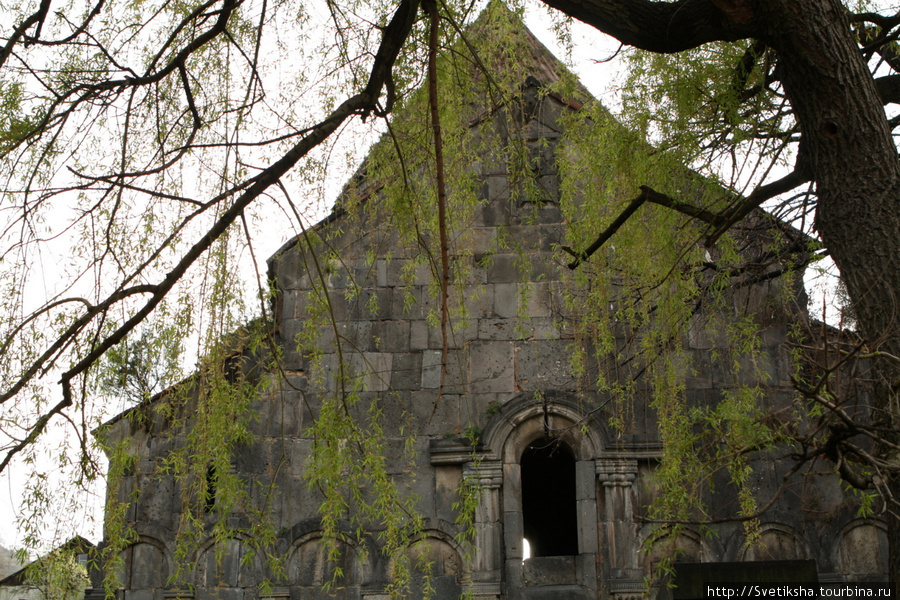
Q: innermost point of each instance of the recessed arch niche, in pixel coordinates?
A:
(673, 544)
(310, 567)
(862, 550)
(435, 563)
(776, 542)
(225, 564)
(145, 563)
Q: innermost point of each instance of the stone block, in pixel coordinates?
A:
(479, 300)
(374, 369)
(543, 365)
(252, 458)
(512, 533)
(536, 297)
(514, 581)
(536, 237)
(547, 329)
(433, 416)
(585, 480)
(549, 571)
(290, 270)
(586, 571)
(412, 302)
(340, 279)
(491, 367)
(364, 275)
(281, 413)
(496, 212)
(458, 333)
(354, 335)
(497, 189)
(390, 336)
(480, 240)
(431, 371)
(480, 408)
(447, 480)
(559, 290)
(299, 451)
(512, 487)
(700, 375)
(155, 501)
(783, 365)
(381, 278)
(421, 274)
(418, 335)
(506, 300)
(467, 301)
(372, 304)
(504, 268)
(407, 371)
(395, 273)
(497, 329)
(588, 540)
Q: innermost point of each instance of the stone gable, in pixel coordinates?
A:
(501, 405)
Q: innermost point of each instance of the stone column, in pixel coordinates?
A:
(488, 528)
(617, 476)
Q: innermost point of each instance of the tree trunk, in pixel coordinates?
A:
(847, 150)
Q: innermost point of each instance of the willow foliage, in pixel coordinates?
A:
(661, 284)
(136, 145)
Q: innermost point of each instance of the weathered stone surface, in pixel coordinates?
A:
(453, 367)
(544, 364)
(491, 367)
(509, 385)
(549, 570)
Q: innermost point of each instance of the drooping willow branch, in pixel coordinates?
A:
(434, 30)
(362, 104)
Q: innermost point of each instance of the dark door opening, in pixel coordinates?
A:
(548, 499)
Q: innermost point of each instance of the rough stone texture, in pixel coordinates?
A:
(507, 381)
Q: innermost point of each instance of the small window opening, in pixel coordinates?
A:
(548, 499)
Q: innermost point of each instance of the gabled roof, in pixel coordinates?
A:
(76, 545)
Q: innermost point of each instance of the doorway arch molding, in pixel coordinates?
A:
(532, 415)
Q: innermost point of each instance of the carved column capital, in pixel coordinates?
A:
(488, 475)
(620, 472)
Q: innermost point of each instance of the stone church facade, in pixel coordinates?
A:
(549, 467)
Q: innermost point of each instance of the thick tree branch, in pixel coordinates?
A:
(720, 221)
(664, 27)
(764, 192)
(395, 35)
(889, 88)
(582, 256)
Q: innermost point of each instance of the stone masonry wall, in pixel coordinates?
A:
(508, 377)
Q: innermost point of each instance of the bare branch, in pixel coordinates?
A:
(363, 103)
